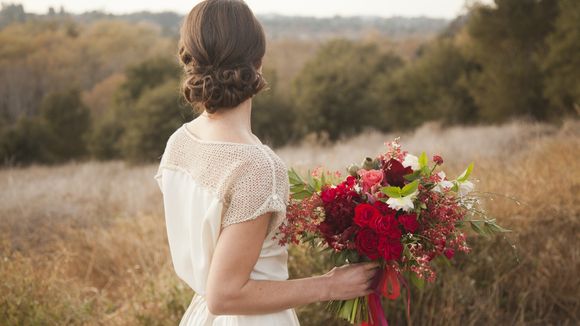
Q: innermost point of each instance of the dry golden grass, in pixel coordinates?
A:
(85, 243)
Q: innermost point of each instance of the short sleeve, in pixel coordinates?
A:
(255, 189)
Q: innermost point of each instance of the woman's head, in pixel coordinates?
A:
(221, 49)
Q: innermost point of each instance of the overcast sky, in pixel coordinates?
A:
(319, 8)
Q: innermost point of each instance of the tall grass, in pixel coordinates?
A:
(85, 243)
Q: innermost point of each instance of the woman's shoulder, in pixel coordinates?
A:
(218, 165)
(183, 148)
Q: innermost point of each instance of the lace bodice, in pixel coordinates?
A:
(250, 179)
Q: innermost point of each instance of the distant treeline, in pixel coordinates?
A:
(109, 89)
(275, 26)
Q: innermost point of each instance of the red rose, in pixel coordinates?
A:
(364, 213)
(328, 194)
(409, 222)
(383, 207)
(437, 159)
(394, 172)
(390, 249)
(449, 253)
(367, 242)
(350, 181)
(386, 225)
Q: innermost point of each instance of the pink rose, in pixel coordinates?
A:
(370, 178)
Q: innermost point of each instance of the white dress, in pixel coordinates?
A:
(208, 185)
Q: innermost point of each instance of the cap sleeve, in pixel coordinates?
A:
(256, 188)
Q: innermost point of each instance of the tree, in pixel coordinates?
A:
(68, 120)
(430, 88)
(562, 62)
(26, 141)
(11, 13)
(506, 41)
(108, 129)
(156, 115)
(331, 90)
(273, 117)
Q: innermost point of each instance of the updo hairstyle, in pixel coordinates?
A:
(221, 49)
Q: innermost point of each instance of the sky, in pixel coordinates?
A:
(320, 8)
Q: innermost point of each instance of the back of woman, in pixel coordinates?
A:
(225, 193)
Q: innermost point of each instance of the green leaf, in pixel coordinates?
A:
(302, 194)
(475, 225)
(455, 186)
(412, 176)
(409, 188)
(465, 173)
(493, 227)
(294, 177)
(423, 160)
(392, 191)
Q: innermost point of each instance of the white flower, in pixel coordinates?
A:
(443, 183)
(465, 187)
(412, 161)
(405, 203)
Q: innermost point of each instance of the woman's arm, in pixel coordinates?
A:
(230, 291)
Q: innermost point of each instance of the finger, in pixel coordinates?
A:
(371, 274)
(369, 285)
(372, 265)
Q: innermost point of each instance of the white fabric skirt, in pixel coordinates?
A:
(197, 314)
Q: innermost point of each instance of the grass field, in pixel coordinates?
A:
(85, 243)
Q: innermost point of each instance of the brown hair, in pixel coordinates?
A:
(221, 48)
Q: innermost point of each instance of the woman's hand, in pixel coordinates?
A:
(350, 281)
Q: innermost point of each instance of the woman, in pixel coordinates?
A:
(225, 192)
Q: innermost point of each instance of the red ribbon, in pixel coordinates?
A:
(388, 286)
(390, 279)
(377, 315)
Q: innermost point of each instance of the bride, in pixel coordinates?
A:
(225, 192)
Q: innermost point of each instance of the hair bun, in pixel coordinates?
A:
(221, 87)
(227, 34)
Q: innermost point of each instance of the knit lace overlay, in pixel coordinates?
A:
(248, 179)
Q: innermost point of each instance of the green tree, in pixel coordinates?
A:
(68, 120)
(108, 130)
(331, 92)
(562, 62)
(506, 41)
(430, 88)
(26, 141)
(273, 117)
(156, 115)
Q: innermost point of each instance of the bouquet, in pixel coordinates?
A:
(397, 209)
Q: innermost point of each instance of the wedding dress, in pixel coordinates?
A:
(206, 186)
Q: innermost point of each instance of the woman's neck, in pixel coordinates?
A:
(235, 122)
